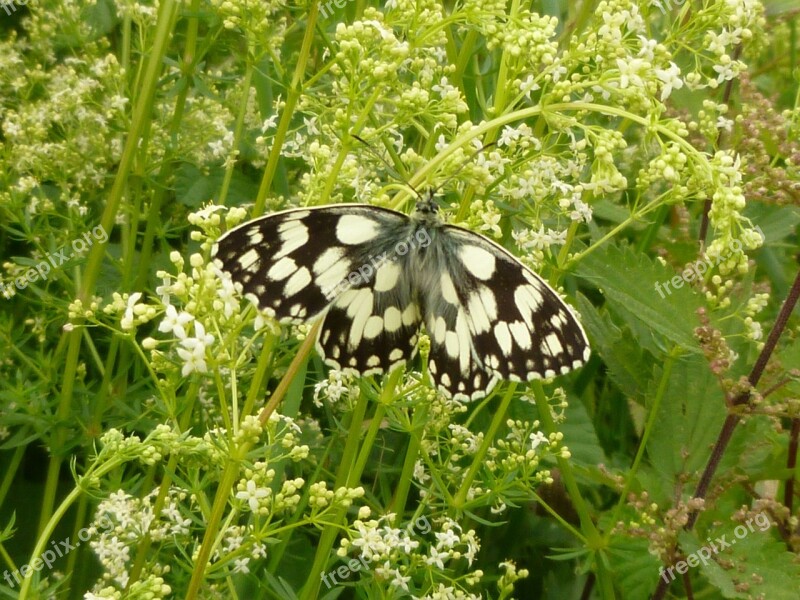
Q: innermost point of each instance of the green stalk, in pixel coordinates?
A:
(166, 20)
(143, 547)
(594, 540)
(161, 187)
(669, 362)
(231, 472)
(345, 474)
(237, 131)
(293, 94)
(55, 519)
(11, 471)
(488, 440)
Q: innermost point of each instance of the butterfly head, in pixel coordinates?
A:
(427, 210)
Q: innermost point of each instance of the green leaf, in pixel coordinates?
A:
(628, 365)
(193, 187)
(754, 566)
(580, 436)
(644, 293)
(689, 419)
(635, 569)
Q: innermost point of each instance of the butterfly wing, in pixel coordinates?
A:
(340, 260)
(490, 317)
(372, 329)
(294, 263)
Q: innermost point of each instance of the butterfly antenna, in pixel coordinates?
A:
(463, 164)
(392, 171)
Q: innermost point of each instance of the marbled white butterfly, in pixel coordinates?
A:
(376, 274)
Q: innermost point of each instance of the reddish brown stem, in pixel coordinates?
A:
(731, 420)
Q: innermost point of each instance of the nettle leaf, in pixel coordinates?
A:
(687, 424)
(774, 223)
(754, 565)
(789, 356)
(629, 367)
(193, 187)
(630, 282)
(635, 569)
(757, 450)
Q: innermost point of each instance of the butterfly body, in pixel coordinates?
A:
(377, 275)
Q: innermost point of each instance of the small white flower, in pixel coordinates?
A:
(398, 579)
(443, 87)
(253, 494)
(629, 72)
(723, 123)
(528, 86)
(259, 551)
(194, 350)
(437, 558)
(724, 72)
(127, 320)
(671, 78)
(537, 439)
(174, 322)
(240, 565)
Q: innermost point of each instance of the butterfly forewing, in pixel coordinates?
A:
(293, 263)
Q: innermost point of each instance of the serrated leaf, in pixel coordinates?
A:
(754, 565)
(630, 282)
(689, 419)
(628, 366)
(635, 569)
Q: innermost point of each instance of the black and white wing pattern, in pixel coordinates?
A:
(377, 275)
(490, 317)
(299, 263)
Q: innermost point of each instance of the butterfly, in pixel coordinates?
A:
(376, 275)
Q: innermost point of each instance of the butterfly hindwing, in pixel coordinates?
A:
(294, 263)
(371, 329)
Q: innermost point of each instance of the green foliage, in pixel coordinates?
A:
(195, 448)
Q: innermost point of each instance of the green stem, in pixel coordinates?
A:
(11, 471)
(532, 111)
(56, 517)
(651, 421)
(166, 20)
(231, 472)
(237, 131)
(345, 475)
(594, 540)
(293, 94)
(477, 461)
